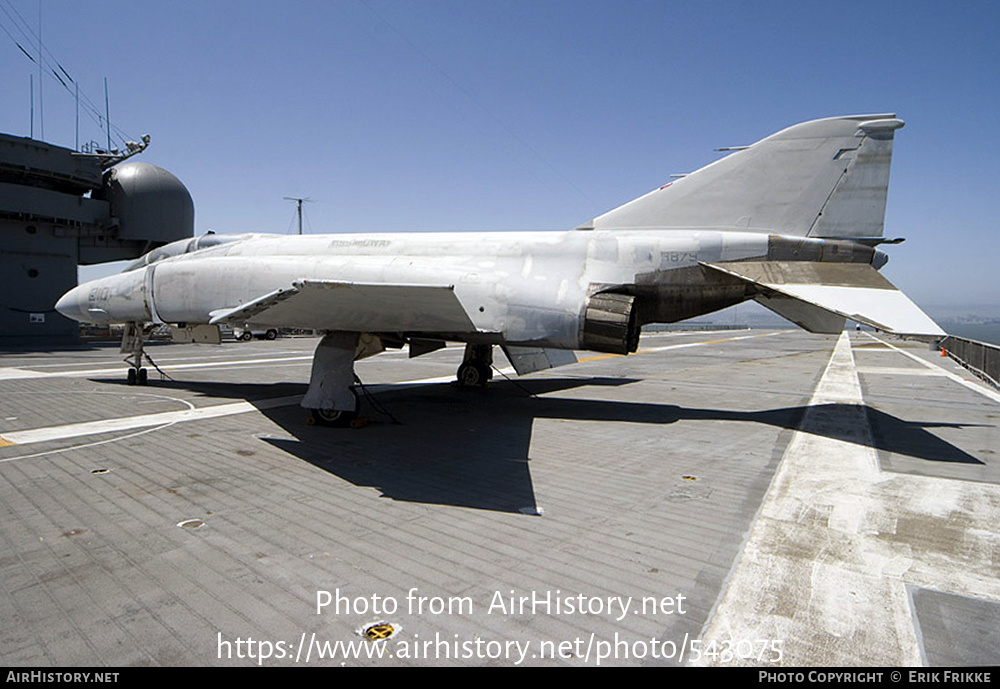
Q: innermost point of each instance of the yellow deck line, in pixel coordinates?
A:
(681, 345)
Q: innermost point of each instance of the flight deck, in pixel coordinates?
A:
(756, 497)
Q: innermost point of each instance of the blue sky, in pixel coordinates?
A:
(466, 115)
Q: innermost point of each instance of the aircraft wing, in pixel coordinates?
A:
(818, 296)
(355, 307)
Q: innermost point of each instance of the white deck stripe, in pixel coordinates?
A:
(19, 373)
(972, 385)
(16, 373)
(836, 541)
(76, 430)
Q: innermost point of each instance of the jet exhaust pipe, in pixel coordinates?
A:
(610, 324)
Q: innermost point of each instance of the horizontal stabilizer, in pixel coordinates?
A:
(849, 290)
(803, 314)
(355, 307)
(530, 359)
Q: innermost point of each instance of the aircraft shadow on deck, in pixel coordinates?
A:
(470, 448)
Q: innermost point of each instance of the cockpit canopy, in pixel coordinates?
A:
(183, 246)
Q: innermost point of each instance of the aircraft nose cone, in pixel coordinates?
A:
(72, 304)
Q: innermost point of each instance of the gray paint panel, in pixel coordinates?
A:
(957, 631)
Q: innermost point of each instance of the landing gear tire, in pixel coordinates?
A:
(130, 378)
(335, 418)
(143, 377)
(474, 374)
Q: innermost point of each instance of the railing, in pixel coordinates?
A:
(980, 358)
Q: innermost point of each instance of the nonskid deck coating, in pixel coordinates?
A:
(489, 518)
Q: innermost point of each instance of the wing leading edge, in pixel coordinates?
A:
(355, 307)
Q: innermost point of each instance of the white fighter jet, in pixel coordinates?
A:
(792, 222)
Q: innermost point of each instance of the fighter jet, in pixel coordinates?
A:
(792, 222)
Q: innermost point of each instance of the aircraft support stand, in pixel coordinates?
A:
(331, 397)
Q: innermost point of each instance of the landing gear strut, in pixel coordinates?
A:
(477, 367)
(133, 338)
(331, 398)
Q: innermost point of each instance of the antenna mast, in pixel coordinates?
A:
(41, 106)
(107, 112)
(299, 204)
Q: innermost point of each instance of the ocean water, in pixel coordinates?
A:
(982, 332)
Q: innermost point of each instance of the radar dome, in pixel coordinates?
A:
(149, 203)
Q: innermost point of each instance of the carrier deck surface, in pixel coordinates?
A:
(790, 499)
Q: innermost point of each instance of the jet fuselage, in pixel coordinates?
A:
(519, 287)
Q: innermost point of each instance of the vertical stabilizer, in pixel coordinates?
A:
(857, 206)
(824, 178)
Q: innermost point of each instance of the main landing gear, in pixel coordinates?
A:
(335, 418)
(477, 367)
(331, 398)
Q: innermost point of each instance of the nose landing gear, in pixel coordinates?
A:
(137, 376)
(133, 338)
